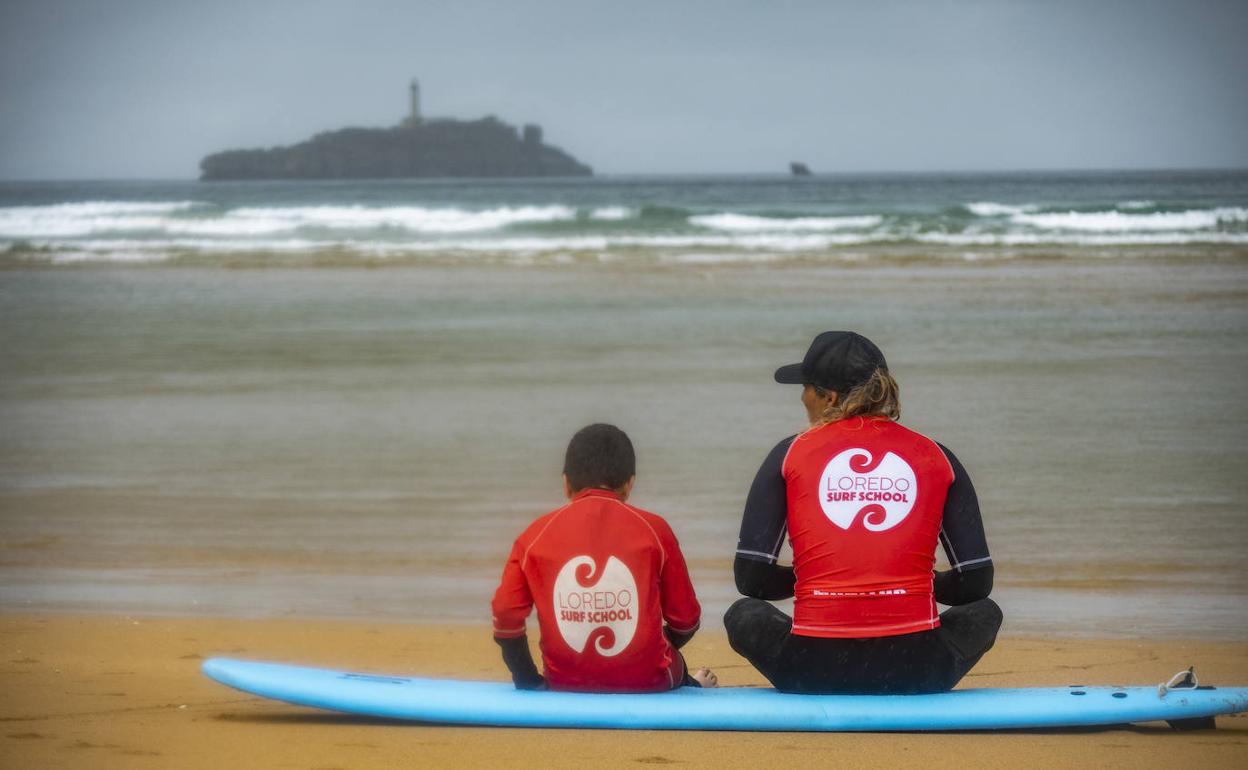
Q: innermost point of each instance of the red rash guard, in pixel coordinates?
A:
(604, 576)
(865, 501)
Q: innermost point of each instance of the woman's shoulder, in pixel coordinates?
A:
(912, 434)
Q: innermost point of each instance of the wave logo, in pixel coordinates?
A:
(604, 608)
(881, 490)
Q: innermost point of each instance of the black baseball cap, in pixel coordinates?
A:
(838, 361)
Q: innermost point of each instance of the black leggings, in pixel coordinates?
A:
(923, 662)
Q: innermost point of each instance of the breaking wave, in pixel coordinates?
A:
(1119, 222)
(62, 220)
(612, 213)
(990, 209)
(744, 223)
(183, 218)
(157, 231)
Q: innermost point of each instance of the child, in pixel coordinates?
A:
(605, 577)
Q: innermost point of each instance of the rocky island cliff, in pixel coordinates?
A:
(438, 148)
(416, 147)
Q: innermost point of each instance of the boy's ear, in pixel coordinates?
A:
(568, 491)
(627, 489)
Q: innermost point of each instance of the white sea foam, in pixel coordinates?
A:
(135, 231)
(746, 223)
(1136, 205)
(102, 218)
(194, 245)
(226, 227)
(811, 242)
(1117, 221)
(611, 213)
(1083, 239)
(66, 220)
(990, 209)
(417, 219)
(99, 208)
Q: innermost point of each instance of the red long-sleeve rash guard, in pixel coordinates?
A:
(864, 502)
(604, 577)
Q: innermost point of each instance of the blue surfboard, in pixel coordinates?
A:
(446, 701)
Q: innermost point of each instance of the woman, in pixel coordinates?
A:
(864, 502)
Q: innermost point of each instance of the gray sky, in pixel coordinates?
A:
(144, 88)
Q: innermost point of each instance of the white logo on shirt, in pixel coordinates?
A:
(610, 603)
(853, 484)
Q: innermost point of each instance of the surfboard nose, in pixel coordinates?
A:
(216, 669)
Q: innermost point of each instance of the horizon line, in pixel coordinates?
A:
(668, 174)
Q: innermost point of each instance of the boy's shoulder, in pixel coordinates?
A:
(657, 524)
(649, 516)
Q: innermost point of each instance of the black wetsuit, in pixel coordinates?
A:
(927, 661)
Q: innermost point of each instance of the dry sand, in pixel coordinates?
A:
(105, 691)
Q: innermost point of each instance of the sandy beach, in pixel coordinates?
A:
(125, 691)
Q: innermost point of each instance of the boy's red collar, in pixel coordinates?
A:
(592, 492)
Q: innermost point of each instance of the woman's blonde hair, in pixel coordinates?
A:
(879, 396)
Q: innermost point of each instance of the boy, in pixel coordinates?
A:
(605, 576)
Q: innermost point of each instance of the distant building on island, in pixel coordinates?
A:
(417, 147)
(413, 116)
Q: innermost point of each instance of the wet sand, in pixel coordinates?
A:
(318, 443)
(105, 691)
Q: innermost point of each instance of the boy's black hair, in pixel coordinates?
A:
(599, 456)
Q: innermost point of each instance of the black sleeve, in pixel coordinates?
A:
(763, 527)
(677, 639)
(961, 528)
(762, 580)
(765, 520)
(966, 547)
(952, 588)
(520, 663)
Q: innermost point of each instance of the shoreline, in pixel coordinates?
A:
(711, 626)
(1111, 615)
(126, 691)
(639, 261)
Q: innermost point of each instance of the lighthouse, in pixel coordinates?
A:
(413, 118)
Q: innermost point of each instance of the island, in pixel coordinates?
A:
(417, 147)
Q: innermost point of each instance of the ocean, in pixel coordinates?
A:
(345, 399)
(638, 221)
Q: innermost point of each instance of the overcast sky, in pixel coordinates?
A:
(145, 88)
